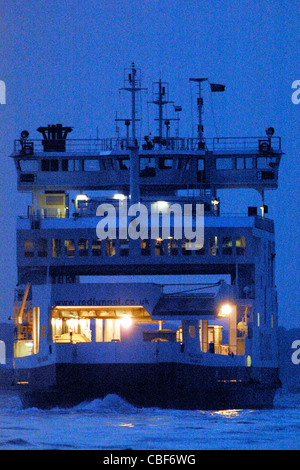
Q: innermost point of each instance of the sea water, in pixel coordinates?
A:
(114, 424)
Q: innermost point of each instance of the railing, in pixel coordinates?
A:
(29, 147)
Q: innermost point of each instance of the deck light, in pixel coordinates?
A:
(121, 197)
(126, 321)
(225, 310)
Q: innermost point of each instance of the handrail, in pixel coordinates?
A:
(29, 146)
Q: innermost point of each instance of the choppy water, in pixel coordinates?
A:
(113, 424)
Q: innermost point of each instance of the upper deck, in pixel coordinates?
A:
(165, 165)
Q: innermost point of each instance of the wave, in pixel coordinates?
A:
(110, 404)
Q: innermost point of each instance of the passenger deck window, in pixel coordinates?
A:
(186, 251)
(56, 248)
(213, 246)
(70, 248)
(83, 247)
(227, 245)
(240, 245)
(124, 247)
(146, 247)
(42, 247)
(110, 247)
(28, 248)
(96, 247)
(159, 247)
(199, 250)
(173, 247)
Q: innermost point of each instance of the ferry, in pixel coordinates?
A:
(159, 319)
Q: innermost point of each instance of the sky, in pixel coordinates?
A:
(64, 61)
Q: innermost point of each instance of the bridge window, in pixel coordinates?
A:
(28, 248)
(224, 163)
(165, 163)
(240, 245)
(56, 248)
(124, 163)
(227, 245)
(91, 165)
(96, 247)
(42, 247)
(147, 167)
(213, 248)
(28, 165)
(200, 164)
(83, 247)
(49, 164)
(70, 248)
(243, 163)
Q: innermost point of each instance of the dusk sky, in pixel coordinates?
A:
(63, 62)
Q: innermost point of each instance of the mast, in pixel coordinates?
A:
(132, 83)
(161, 98)
(200, 106)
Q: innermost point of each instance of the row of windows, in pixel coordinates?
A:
(108, 247)
(147, 164)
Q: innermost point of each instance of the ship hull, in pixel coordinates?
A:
(171, 385)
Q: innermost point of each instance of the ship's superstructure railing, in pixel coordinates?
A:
(184, 144)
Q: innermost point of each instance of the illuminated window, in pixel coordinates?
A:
(227, 245)
(28, 248)
(240, 245)
(186, 251)
(159, 247)
(70, 248)
(56, 248)
(213, 246)
(112, 330)
(173, 247)
(96, 247)
(146, 247)
(42, 247)
(83, 247)
(110, 247)
(199, 249)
